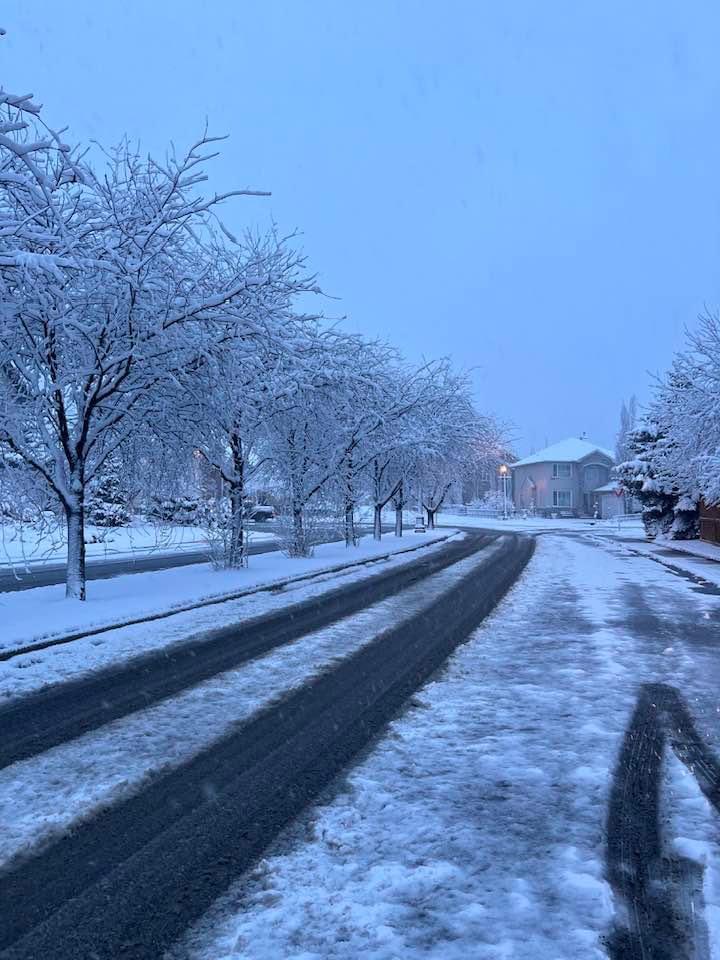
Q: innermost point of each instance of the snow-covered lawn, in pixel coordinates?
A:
(475, 828)
(50, 792)
(26, 543)
(32, 614)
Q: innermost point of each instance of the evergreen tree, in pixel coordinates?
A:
(638, 479)
(670, 466)
(108, 500)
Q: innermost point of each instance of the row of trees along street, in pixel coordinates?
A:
(137, 334)
(671, 461)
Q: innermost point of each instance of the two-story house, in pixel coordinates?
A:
(562, 478)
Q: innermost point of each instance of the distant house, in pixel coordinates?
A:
(566, 478)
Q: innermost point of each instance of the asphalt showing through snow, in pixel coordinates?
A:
(128, 882)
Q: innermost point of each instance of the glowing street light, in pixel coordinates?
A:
(504, 475)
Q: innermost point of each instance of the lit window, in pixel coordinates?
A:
(562, 498)
(561, 471)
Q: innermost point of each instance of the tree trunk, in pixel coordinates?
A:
(377, 522)
(398, 503)
(430, 518)
(75, 575)
(299, 547)
(351, 539)
(237, 542)
(237, 556)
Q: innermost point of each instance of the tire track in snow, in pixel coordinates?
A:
(660, 891)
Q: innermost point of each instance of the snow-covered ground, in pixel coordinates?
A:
(27, 543)
(698, 558)
(50, 792)
(475, 828)
(628, 526)
(693, 832)
(693, 556)
(698, 548)
(34, 613)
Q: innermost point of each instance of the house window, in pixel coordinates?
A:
(562, 498)
(561, 471)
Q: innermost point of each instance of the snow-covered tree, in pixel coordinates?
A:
(312, 439)
(687, 404)
(638, 478)
(126, 307)
(460, 443)
(134, 326)
(246, 380)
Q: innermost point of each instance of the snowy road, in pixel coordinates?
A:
(550, 795)
(479, 826)
(128, 881)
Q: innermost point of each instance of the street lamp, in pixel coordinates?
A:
(504, 475)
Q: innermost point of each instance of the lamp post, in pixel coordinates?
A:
(504, 475)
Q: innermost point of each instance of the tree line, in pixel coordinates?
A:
(136, 329)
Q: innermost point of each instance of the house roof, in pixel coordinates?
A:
(567, 451)
(611, 487)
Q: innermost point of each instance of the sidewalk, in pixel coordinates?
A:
(695, 557)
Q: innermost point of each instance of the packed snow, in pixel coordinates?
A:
(476, 826)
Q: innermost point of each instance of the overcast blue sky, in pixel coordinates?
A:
(529, 187)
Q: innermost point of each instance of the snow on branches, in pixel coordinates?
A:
(675, 456)
(144, 347)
